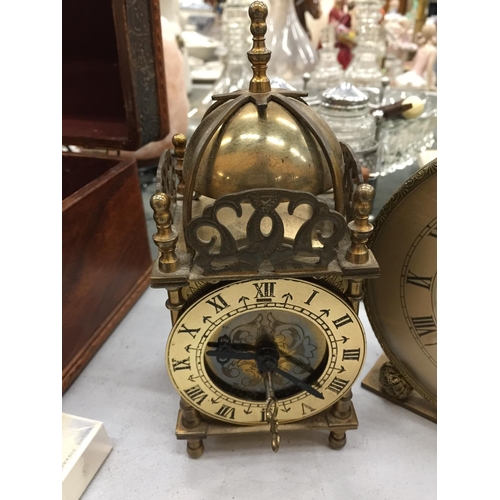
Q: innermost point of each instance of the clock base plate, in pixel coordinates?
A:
(414, 402)
(210, 427)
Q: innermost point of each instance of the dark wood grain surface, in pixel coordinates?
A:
(106, 254)
(113, 74)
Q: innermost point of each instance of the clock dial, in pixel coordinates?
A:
(307, 338)
(419, 288)
(402, 304)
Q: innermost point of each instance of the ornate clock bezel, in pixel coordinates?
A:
(334, 336)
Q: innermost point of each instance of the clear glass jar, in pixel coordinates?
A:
(369, 31)
(328, 72)
(345, 109)
(401, 140)
(236, 39)
(365, 70)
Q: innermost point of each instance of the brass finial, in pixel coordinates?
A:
(179, 141)
(166, 237)
(260, 55)
(360, 229)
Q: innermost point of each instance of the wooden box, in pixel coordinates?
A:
(113, 98)
(113, 74)
(106, 253)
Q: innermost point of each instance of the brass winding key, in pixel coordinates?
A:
(272, 411)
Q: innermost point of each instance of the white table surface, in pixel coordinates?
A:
(391, 456)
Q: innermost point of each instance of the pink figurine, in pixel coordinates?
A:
(422, 75)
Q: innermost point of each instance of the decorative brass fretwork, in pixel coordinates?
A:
(269, 250)
(165, 176)
(179, 142)
(353, 177)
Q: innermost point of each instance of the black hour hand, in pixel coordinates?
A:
(225, 351)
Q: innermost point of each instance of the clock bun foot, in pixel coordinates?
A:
(195, 448)
(336, 440)
(393, 383)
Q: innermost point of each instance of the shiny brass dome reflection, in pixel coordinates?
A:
(262, 137)
(264, 148)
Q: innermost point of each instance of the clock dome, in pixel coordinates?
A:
(262, 137)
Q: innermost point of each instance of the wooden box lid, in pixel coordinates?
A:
(113, 75)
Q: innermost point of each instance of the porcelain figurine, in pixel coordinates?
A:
(422, 73)
(398, 33)
(341, 18)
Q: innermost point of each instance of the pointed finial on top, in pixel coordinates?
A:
(259, 56)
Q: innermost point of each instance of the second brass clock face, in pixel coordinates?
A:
(307, 338)
(402, 304)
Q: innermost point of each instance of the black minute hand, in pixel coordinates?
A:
(223, 346)
(299, 383)
(225, 352)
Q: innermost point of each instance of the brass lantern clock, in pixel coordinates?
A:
(262, 224)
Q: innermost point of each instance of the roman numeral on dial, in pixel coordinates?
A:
(264, 291)
(218, 302)
(422, 281)
(308, 301)
(424, 325)
(189, 331)
(226, 412)
(196, 394)
(306, 408)
(182, 364)
(351, 354)
(338, 384)
(342, 321)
